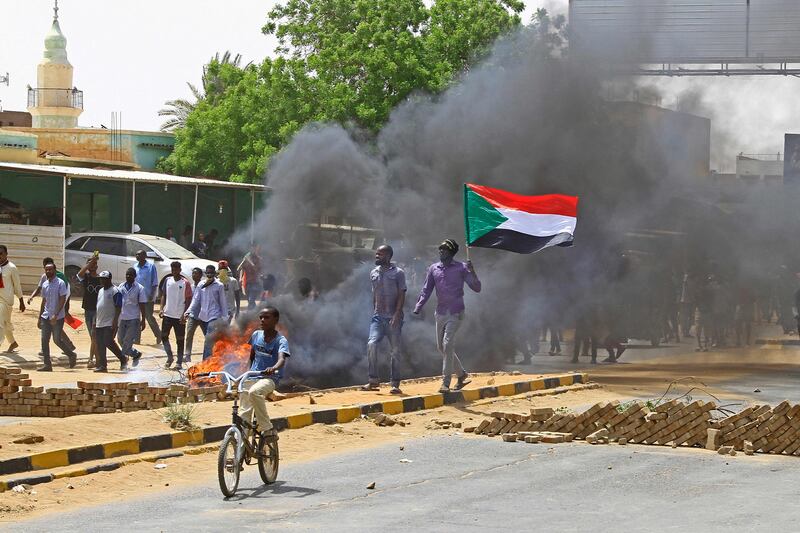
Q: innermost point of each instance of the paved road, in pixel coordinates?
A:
(471, 484)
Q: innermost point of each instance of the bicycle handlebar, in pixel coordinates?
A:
(230, 380)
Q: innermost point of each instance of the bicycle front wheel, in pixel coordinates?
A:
(268, 460)
(228, 468)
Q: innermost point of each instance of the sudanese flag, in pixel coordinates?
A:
(494, 218)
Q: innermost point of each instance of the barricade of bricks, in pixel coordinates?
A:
(19, 398)
(674, 422)
(758, 428)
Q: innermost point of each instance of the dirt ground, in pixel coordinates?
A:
(304, 444)
(81, 430)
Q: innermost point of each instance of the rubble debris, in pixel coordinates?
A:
(28, 439)
(382, 419)
(371, 486)
(725, 450)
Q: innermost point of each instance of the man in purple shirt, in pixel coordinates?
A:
(448, 278)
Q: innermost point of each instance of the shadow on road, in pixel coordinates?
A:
(277, 488)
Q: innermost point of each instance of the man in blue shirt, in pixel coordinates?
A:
(147, 277)
(131, 318)
(268, 353)
(209, 308)
(51, 322)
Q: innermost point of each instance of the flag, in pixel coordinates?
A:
(524, 224)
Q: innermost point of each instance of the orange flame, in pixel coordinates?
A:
(231, 352)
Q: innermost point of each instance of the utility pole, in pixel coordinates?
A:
(3, 79)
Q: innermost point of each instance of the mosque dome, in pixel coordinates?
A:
(55, 44)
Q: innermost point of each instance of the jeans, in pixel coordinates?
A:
(104, 340)
(168, 323)
(151, 321)
(251, 299)
(446, 328)
(255, 400)
(378, 329)
(208, 329)
(128, 329)
(56, 332)
(89, 319)
(191, 327)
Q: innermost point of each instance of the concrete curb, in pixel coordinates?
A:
(778, 342)
(338, 415)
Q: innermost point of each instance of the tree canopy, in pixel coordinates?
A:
(346, 61)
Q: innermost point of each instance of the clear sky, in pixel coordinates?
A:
(131, 57)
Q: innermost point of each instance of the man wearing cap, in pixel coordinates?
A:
(232, 290)
(147, 277)
(209, 307)
(448, 278)
(388, 298)
(176, 295)
(106, 323)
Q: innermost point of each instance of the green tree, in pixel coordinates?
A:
(346, 61)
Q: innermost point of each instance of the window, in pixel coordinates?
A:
(131, 247)
(77, 244)
(106, 245)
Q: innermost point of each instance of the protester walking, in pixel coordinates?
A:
(388, 297)
(91, 283)
(176, 296)
(51, 313)
(191, 323)
(209, 308)
(132, 315)
(109, 307)
(233, 292)
(147, 277)
(65, 340)
(448, 278)
(250, 274)
(10, 288)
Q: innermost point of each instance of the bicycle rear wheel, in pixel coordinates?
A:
(268, 460)
(228, 468)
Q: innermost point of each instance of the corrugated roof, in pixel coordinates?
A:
(127, 175)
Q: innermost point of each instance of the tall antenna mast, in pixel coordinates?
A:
(55, 11)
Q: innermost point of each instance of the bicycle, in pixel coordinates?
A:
(235, 450)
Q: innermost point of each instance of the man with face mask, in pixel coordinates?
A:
(232, 290)
(209, 308)
(448, 278)
(388, 297)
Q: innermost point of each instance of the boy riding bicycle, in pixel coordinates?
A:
(268, 353)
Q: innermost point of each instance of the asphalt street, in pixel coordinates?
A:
(465, 483)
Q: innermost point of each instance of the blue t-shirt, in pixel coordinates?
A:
(267, 352)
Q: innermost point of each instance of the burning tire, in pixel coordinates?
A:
(228, 468)
(268, 460)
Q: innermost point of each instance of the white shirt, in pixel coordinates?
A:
(230, 294)
(177, 292)
(106, 307)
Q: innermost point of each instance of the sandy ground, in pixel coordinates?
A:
(80, 430)
(295, 445)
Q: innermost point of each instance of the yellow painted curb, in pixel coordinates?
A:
(433, 401)
(123, 447)
(509, 389)
(393, 407)
(299, 421)
(347, 414)
(187, 438)
(52, 459)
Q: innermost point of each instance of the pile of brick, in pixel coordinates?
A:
(674, 422)
(759, 428)
(19, 398)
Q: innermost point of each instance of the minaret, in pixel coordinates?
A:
(55, 102)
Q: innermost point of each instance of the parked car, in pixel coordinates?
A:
(117, 254)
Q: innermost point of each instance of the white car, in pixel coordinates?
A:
(117, 254)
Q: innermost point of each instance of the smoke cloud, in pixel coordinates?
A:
(524, 121)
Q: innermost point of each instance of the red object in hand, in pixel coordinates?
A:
(72, 322)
